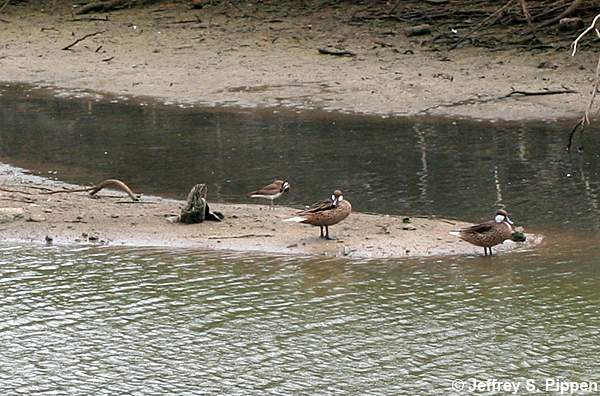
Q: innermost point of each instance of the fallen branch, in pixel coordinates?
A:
(336, 52)
(68, 47)
(15, 191)
(101, 6)
(585, 119)
(88, 19)
(577, 126)
(574, 5)
(496, 98)
(242, 236)
(4, 6)
(540, 93)
(527, 14)
(118, 184)
(481, 24)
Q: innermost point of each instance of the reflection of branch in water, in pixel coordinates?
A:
(591, 195)
(424, 173)
(522, 144)
(498, 188)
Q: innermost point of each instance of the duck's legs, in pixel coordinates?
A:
(329, 238)
(485, 251)
(322, 235)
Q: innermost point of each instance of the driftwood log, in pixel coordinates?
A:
(108, 183)
(196, 209)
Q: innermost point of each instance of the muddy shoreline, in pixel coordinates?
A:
(210, 58)
(248, 58)
(30, 216)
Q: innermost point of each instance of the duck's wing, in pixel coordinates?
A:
(320, 206)
(478, 228)
(271, 189)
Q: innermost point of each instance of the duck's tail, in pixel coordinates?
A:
(296, 219)
(455, 233)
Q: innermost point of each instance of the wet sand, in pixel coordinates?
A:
(223, 57)
(112, 218)
(263, 57)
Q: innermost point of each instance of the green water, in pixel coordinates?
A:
(106, 321)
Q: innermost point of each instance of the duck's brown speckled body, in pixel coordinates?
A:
(490, 233)
(325, 213)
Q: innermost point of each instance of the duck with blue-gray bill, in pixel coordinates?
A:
(325, 213)
(490, 233)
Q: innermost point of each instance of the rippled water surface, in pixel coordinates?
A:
(113, 321)
(90, 320)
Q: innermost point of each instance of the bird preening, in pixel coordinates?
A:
(336, 208)
(325, 213)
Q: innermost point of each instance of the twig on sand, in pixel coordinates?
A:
(4, 6)
(496, 98)
(336, 52)
(585, 119)
(15, 191)
(540, 93)
(100, 6)
(242, 236)
(118, 184)
(68, 47)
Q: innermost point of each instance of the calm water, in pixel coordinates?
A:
(126, 321)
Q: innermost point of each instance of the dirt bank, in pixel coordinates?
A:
(253, 56)
(27, 215)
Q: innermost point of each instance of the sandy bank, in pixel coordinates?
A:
(27, 215)
(245, 57)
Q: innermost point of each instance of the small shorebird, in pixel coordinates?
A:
(490, 233)
(325, 213)
(272, 191)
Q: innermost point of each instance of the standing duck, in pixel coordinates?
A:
(272, 191)
(490, 233)
(325, 213)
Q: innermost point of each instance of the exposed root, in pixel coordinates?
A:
(114, 183)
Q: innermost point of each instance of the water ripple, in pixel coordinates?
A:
(113, 321)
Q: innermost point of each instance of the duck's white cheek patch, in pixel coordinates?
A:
(341, 198)
(499, 218)
(333, 197)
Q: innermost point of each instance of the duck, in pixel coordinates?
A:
(490, 233)
(325, 213)
(271, 191)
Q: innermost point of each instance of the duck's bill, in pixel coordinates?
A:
(509, 221)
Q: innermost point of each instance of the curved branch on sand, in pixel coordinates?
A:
(114, 183)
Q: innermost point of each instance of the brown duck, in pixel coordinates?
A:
(325, 213)
(271, 191)
(490, 233)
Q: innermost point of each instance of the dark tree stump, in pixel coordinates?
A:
(196, 209)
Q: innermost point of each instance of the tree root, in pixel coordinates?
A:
(496, 98)
(114, 183)
(102, 6)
